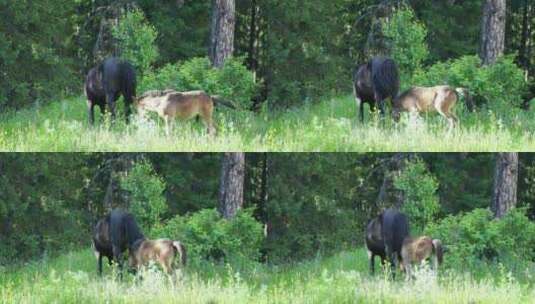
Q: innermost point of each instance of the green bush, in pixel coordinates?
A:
(476, 237)
(502, 83)
(145, 189)
(233, 81)
(406, 42)
(419, 189)
(136, 39)
(208, 236)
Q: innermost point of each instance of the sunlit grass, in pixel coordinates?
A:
(330, 125)
(342, 278)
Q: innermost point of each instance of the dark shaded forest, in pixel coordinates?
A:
(297, 50)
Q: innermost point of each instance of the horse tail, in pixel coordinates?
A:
(219, 100)
(438, 250)
(385, 77)
(179, 247)
(467, 96)
(130, 82)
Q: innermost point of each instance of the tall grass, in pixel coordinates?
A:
(342, 278)
(330, 125)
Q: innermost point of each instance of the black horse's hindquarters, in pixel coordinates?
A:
(376, 81)
(124, 232)
(101, 242)
(395, 228)
(375, 242)
(107, 82)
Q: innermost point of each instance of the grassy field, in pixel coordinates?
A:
(342, 278)
(327, 126)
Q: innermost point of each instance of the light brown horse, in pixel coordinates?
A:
(416, 100)
(170, 104)
(161, 251)
(417, 250)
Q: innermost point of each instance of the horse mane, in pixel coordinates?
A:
(156, 93)
(403, 94)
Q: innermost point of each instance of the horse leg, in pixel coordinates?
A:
(127, 104)
(117, 257)
(361, 109)
(391, 257)
(166, 120)
(91, 112)
(99, 264)
(381, 102)
(110, 101)
(408, 271)
(371, 258)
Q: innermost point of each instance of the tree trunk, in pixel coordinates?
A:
(388, 195)
(505, 183)
(231, 184)
(252, 54)
(492, 31)
(222, 31)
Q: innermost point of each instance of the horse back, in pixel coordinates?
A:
(417, 250)
(189, 104)
(124, 230)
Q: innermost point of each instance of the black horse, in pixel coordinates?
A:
(106, 82)
(385, 235)
(374, 82)
(113, 235)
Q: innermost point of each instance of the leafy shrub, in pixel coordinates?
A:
(208, 236)
(233, 81)
(136, 40)
(476, 237)
(407, 42)
(146, 188)
(501, 83)
(419, 188)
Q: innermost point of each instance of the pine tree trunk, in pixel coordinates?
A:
(222, 31)
(505, 183)
(231, 184)
(492, 31)
(388, 195)
(253, 39)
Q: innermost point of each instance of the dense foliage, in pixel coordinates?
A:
(497, 86)
(233, 81)
(476, 238)
(297, 50)
(136, 40)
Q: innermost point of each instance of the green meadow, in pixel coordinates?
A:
(342, 278)
(328, 125)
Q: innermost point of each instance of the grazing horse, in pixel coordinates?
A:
(162, 251)
(375, 242)
(441, 99)
(416, 251)
(106, 82)
(170, 104)
(124, 233)
(102, 242)
(375, 81)
(385, 235)
(395, 228)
